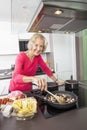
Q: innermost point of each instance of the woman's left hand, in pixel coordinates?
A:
(60, 83)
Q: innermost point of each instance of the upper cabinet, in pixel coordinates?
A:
(27, 36)
(9, 44)
(47, 36)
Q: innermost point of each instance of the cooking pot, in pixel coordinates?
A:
(71, 85)
(56, 104)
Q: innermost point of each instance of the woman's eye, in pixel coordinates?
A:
(41, 46)
(36, 45)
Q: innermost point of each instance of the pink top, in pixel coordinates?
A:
(24, 66)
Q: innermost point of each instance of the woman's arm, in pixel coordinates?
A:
(48, 71)
(40, 82)
(56, 80)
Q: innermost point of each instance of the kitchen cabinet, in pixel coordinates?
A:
(24, 36)
(64, 55)
(4, 86)
(9, 44)
(47, 36)
(27, 36)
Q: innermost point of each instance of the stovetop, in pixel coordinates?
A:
(49, 111)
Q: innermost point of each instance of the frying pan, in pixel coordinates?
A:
(56, 104)
(64, 105)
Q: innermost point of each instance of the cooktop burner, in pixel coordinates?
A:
(49, 111)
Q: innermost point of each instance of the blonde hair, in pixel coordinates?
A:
(33, 39)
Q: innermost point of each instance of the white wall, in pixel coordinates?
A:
(64, 55)
(6, 61)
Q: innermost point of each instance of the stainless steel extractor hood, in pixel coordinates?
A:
(73, 18)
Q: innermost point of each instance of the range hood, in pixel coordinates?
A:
(73, 18)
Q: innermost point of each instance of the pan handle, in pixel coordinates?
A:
(64, 81)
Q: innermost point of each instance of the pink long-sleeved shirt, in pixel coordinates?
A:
(25, 67)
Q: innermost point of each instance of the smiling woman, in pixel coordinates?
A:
(26, 65)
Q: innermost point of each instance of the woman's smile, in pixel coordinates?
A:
(37, 47)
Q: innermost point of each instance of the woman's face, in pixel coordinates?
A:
(37, 47)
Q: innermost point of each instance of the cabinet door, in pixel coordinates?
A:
(46, 35)
(25, 36)
(9, 44)
(4, 86)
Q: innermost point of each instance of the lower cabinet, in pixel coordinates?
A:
(4, 86)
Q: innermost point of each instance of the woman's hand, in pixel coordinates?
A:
(41, 83)
(60, 83)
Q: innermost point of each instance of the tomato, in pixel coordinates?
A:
(3, 101)
(22, 96)
(0, 101)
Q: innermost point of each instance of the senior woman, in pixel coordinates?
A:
(26, 65)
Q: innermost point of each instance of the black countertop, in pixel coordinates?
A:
(75, 119)
(72, 120)
(83, 82)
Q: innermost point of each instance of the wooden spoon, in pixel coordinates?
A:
(56, 97)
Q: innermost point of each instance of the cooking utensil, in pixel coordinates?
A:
(64, 81)
(71, 84)
(40, 96)
(56, 97)
(56, 104)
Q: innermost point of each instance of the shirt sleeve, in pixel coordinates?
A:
(17, 74)
(44, 67)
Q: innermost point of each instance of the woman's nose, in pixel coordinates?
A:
(38, 48)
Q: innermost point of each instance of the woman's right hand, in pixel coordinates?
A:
(41, 83)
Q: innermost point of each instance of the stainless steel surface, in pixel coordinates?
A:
(83, 82)
(73, 18)
(5, 74)
(65, 81)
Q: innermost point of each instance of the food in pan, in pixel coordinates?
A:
(62, 99)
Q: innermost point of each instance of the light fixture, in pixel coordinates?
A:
(58, 12)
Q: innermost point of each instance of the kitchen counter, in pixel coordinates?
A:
(83, 82)
(75, 119)
(71, 120)
(7, 74)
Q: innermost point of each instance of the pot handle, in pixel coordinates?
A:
(64, 81)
